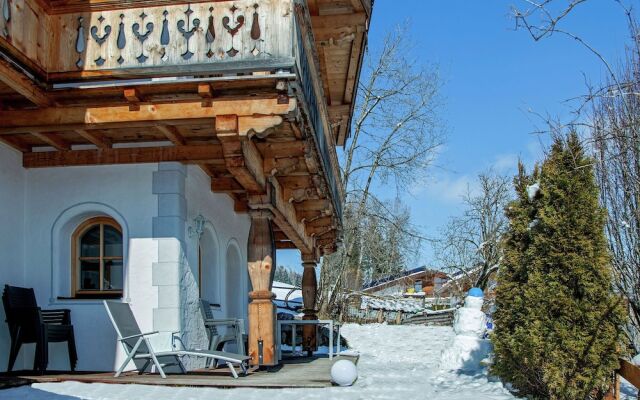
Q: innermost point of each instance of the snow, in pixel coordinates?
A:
(397, 362)
(389, 368)
(533, 190)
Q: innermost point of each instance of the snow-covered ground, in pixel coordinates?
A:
(397, 362)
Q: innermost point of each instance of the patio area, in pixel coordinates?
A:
(294, 372)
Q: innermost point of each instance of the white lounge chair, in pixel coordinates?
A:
(138, 348)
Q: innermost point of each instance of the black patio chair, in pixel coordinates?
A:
(29, 324)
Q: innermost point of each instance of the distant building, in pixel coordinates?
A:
(417, 282)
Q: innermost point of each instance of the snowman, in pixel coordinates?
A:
(468, 348)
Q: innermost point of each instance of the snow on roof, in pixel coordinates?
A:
(401, 275)
(408, 305)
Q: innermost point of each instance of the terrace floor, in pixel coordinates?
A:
(299, 372)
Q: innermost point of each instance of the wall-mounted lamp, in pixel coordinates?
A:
(197, 227)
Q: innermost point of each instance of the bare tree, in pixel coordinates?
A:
(471, 243)
(396, 133)
(615, 126)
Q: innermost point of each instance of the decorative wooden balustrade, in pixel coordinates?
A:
(176, 39)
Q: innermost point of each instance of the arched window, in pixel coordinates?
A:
(98, 268)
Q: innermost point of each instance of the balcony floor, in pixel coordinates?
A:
(313, 372)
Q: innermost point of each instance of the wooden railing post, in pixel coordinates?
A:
(262, 311)
(309, 293)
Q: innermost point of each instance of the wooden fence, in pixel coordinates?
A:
(440, 318)
(629, 372)
(373, 316)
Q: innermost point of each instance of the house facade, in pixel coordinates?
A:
(415, 282)
(159, 152)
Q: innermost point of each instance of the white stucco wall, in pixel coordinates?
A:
(12, 193)
(155, 204)
(224, 250)
(43, 207)
(57, 200)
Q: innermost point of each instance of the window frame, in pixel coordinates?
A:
(101, 293)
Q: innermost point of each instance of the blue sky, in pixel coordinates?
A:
(494, 77)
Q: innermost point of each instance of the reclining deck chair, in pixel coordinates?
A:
(233, 333)
(138, 347)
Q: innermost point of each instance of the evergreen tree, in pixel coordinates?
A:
(289, 276)
(558, 323)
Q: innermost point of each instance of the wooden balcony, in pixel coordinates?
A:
(257, 93)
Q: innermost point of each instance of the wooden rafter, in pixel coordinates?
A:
(22, 84)
(354, 68)
(100, 142)
(16, 143)
(172, 133)
(53, 140)
(134, 155)
(335, 27)
(226, 185)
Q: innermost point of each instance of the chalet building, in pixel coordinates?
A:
(161, 151)
(418, 281)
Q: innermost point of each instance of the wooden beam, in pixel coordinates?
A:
(226, 185)
(22, 84)
(206, 92)
(16, 143)
(284, 215)
(337, 21)
(100, 142)
(172, 133)
(323, 222)
(53, 140)
(313, 7)
(294, 148)
(630, 372)
(357, 5)
(132, 95)
(322, 59)
(240, 205)
(280, 236)
(311, 205)
(242, 158)
(296, 182)
(133, 155)
(286, 245)
(357, 51)
(114, 116)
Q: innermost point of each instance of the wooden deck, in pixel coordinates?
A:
(313, 372)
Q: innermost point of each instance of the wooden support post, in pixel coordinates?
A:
(309, 293)
(262, 312)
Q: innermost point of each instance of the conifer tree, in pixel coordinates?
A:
(558, 323)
